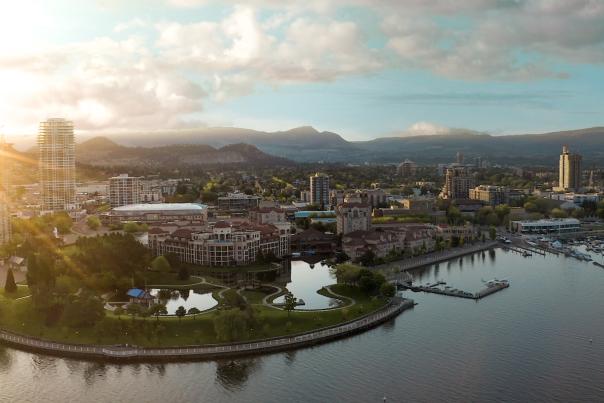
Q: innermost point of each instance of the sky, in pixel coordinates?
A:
(361, 68)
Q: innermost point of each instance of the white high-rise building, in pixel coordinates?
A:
(5, 229)
(124, 190)
(56, 145)
(319, 190)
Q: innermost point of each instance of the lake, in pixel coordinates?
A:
(529, 342)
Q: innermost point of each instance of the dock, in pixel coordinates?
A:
(454, 292)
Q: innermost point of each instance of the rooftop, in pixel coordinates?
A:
(162, 207)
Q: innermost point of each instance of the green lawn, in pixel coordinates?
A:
(254, 297)
(20, 317)
(22, 291)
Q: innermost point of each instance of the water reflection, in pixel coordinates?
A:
(233, 374)
(187, 298)
(306, 280)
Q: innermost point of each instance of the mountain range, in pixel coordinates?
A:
(306, 144)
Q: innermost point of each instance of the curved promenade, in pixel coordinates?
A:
(125, 353)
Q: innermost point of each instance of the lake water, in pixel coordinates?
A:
(188, 299)
(530, 342)
(306, 280)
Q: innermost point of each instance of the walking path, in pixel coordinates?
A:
(435, 257)
(396, 306)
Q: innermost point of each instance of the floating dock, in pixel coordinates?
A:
(493, 287)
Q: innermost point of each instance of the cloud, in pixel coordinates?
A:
(425, 129)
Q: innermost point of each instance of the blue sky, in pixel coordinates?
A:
(361, 68)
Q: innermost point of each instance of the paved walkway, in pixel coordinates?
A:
(434, 257)
(218, 350)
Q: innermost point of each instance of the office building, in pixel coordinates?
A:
(56, 148)
(124, 190)
(570, 171)
(319, 190)
(458, 182)
(491, 195)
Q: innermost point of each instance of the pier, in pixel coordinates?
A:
(491, 288)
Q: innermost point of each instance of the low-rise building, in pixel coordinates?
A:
(491, 195)
(553, 225)
(237, 201)
(314, 241)
(446, 232)
(268, 215)
(158, 213)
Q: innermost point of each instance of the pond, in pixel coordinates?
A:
(187, 298)
(306, 280)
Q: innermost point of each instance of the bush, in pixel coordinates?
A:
(93, 222)
(161, 264)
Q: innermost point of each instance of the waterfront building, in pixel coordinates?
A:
(380, 243)
(56, 150)
(124, 190)
(237, 201)
(406, 169)
(224, 244)
(446, 232)
(319, 190)
(352, 217)
(458, 182)
(314, 241)
(553, 225)
(570, 171)
(158, 213)
(491, 195)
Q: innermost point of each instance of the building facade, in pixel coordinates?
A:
(406, 169)
(491, 195)
(319, 190)
(554, 225)
(238, 202)
(570, 171)
(352, 217)
(268, 215)
(458, 182)
(224, 244)
(158, 213)
(56, 149)
(124, 190)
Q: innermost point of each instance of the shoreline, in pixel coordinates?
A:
(214, 351)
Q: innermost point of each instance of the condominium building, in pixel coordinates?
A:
(56, 148)
(570, 171)
(492, 195)
(124, 190)
(458, 182)
(319, 190)
(406, 169)
(5, 228)
(225, 244)
(352, 217)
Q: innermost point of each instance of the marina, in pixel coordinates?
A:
(441, 287)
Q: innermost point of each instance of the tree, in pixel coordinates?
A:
(290, 303)
(133, 309)
(183, 272)
(492, 233)
(161, 264)
(388, 290)
(230, 325)
(84, 310)
(194, 311)
(10, 286)
(180, 312)
(368, 258)
(232, 299)
(558, 213)
(93, 222)
(157, 310)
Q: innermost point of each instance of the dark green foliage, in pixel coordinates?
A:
(84, 310)
(10, 286)
(232, 299)
(180, 312)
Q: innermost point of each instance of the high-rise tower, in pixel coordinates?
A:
(5, 229)
(570, 170)
(56, 147)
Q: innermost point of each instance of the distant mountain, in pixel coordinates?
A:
(101, 151)
(306, 144)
